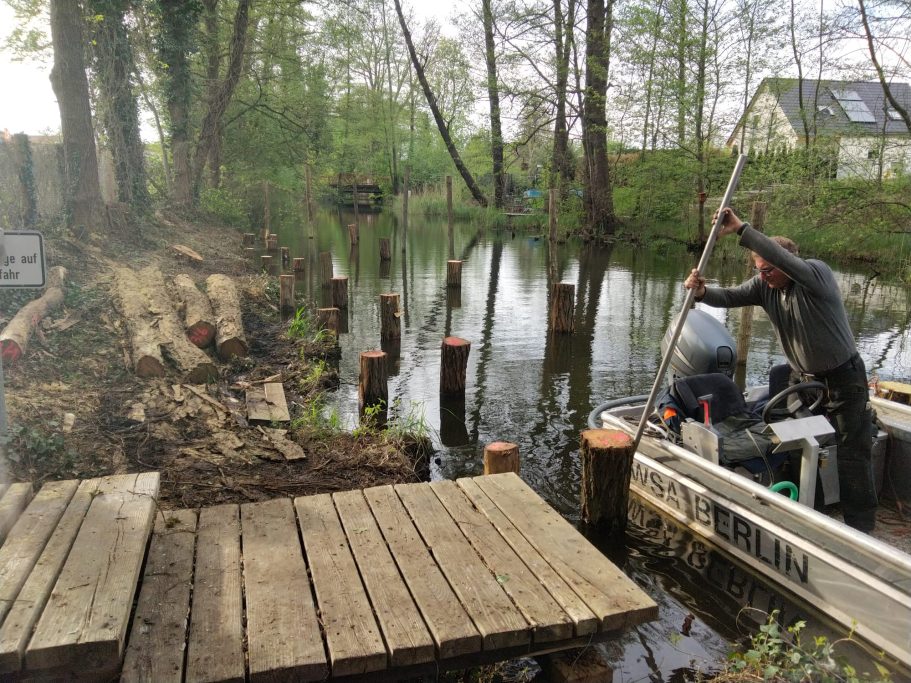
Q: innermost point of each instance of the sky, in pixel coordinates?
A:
(30, 105)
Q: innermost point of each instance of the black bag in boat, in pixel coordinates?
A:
(740, 429)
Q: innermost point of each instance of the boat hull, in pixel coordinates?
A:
(856, 580)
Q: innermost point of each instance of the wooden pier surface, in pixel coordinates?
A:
(382, 584)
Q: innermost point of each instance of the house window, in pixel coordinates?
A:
(893, 115)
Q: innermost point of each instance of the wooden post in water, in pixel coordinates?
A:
(286, 295)
(501, 456)
(265, 262)
(373, 386)
(453, 365)
(449, 226)
(353, 233)
(249, 253)
(249, 239)
(299, 265)
(272, 242)
(607, 461)
(405, 207)
(339, 291)
(757, 220)
(286, 257)
(385, 250)
(390, 317)
(328, 319)
(453, 273)
(552, 216)
(325, 269)
(562, 301)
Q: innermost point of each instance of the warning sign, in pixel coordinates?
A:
(22, 259)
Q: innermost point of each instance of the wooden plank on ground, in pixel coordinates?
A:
(28, 537)
(496, 617)
(406, 635)
(24, 612)
(13, 502)
(267, 403)
(155, 650)
(283, 636)
(216, 651)
(610, 594)
(548, 620)
(352, 634)
(452, 629)
(85, 620)
(583, 618)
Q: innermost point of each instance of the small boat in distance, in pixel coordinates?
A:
(707, 464)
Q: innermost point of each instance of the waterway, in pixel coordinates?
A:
(536, 389)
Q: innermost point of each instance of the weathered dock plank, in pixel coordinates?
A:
(14, 500)
(584, 619)
(28, 537)
(24, 612)
(548, 620)
(496, 617)
(610, 594)
(84, 624)
(452, 629)
(215, 649)
(156, 651)
(352, 634)
(283, 635)
(407, 638)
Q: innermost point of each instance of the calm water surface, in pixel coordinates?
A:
(536, 390)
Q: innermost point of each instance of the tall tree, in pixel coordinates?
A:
(597, 195)
(437, 114)
(113, 64)
(880, 73)
(493, 96)
(82, 196)
(561, 167)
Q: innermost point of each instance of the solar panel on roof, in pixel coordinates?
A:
(846, 95)
(855, 108)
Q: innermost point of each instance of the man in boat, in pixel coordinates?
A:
(804, 304)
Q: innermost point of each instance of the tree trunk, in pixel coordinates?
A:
(887, 91)
(493, 95)
(561, 169)
(221, 97)
(390, 317)
(82, 196)
(229, 335)
(178, 22)
(607, 463)
(598, 196)
(437, 115)
(198, 317)
(117, 102)
(15, 336)
(453, 365)
(145, 339)
(21, 150)
(373, 387)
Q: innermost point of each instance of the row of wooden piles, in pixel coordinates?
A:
(170, 324)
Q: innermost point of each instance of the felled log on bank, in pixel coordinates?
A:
(194, 366)
(145, 339)
(230, 340)
(15, 336)
(198, 316)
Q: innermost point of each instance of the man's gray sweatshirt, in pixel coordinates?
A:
(808, 315)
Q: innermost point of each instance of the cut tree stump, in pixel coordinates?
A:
(453, 273)
(339, 291)
(286, 304)
(198, 316)
(453, 365)
(390, 317)
(353, 231)
(194, 366)
(385, 250)
(145, 338)
(328, 319)
(607, 462)
(15, 336)
(229, 327)
(562, 297)
(373, 387)
(325, 268)
(299, 265)
(501, 456)
(267, 403)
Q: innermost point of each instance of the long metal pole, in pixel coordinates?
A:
(688, 303)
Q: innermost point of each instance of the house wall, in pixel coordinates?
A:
(767, 127)
(861, 156)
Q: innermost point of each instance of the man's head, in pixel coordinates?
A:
(768, 273)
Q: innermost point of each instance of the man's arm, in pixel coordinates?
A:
(790, 264)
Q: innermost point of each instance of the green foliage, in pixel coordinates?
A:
(776, 655)
(224, 205)
(301, 325)
(317, 418)
(408, 425)
(314, 377)
(370, 423)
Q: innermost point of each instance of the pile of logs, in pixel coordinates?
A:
(174, 324)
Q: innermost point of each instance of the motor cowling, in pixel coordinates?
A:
(705, 346)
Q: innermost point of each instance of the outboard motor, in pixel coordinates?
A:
(705, 346)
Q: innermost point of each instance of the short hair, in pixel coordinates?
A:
(786, 242)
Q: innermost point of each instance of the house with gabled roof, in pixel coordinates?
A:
(869, 137)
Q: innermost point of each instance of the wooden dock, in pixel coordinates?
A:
(379, 584)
